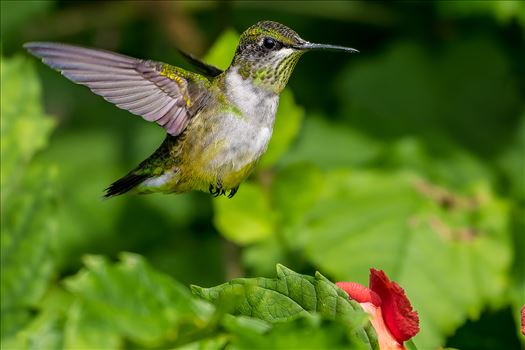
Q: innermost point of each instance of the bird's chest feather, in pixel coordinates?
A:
(245, 132)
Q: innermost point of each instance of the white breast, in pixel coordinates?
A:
(247, 135)
(263, 137)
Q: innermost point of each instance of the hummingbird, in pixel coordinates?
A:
(218, 123)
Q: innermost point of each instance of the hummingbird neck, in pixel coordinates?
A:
(255, 76)
(249, 95)
(251, 82)
(270, 74)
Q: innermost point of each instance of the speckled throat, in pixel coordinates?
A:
(271, 73)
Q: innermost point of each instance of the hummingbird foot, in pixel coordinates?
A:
(233, 191)
(217, 190)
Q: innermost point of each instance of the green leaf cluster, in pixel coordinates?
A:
(28, 208)
(130, 304)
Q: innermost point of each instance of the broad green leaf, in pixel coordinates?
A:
(449, 251)
(295, 189)
(222, 51)
(410, 345)
(448, 164)
(287, 125)
(25, 127)
(246, 218)
(328, 144)
(28, 227)
(131, 300)
(289, 296)
(85, 328)
(43, 332)
(46, 328)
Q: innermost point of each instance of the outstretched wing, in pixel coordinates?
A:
(156, 91)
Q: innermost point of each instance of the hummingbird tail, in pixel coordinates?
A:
(124, 184)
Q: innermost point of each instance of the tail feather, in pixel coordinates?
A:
(124, 184)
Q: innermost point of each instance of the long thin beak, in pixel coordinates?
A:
(312, 46)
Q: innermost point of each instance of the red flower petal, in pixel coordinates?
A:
(401, 320)
(360, 293)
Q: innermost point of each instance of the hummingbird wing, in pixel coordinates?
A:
(206, 69)
(156, 91)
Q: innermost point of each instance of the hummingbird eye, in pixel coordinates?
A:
(270, 44)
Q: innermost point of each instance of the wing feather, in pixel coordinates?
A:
(139, 86)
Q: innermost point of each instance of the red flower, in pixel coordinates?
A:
(390, 310)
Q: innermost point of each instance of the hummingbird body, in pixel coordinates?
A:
(218, 125)
(221, 145)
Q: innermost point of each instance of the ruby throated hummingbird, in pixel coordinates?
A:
(218, 124)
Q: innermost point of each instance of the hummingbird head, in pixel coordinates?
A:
(268, 52)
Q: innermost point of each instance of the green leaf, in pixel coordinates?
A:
(287, 125)
(85, 328)
(25, 126)
(132, 300)
(449, 251)
(447, 164)
(28, 227)
(245, 219)
(410, 345)
(43, 332)
(222, 51)
(27, 261)
(46, 328)
(288, 297)
(295, 189)
(329, 145)
(27, 210)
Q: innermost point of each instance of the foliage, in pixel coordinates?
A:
(27, 204)
(129, 302)
(408, 157)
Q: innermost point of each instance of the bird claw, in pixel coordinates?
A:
(233, 191)
(218, 190)
(214, 191)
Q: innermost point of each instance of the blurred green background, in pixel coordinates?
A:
(407, 157)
